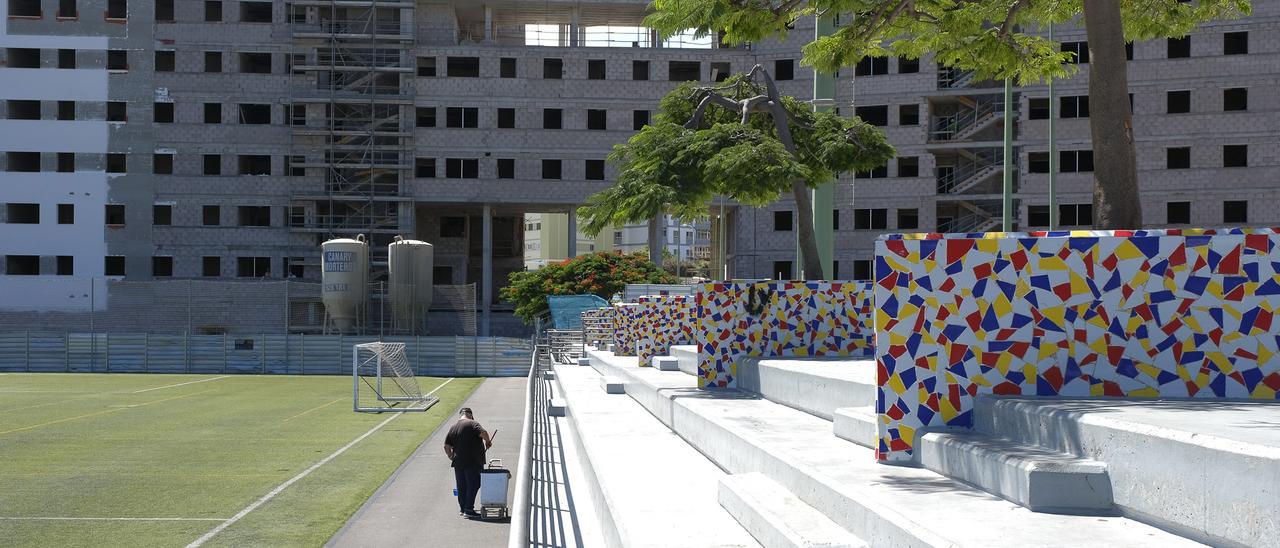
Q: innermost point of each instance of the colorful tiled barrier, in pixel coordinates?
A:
(776, 318)
(598, 326)
(626, 324)
(1140, 314)
(663, 321)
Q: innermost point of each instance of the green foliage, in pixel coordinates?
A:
(602, 273)
(668, 168)
(981, 35)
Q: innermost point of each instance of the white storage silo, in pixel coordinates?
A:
(409, 269)
(345, 279)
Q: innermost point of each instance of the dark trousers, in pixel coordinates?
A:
(468, 480)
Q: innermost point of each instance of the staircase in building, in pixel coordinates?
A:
(350, 116)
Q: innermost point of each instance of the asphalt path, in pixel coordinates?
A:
(416, 507)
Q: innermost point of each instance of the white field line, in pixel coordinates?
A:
(50, 518)
(179, 384)
(316, 408)
(105, 411)
(280, 488)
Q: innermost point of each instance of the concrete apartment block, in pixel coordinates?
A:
(188, 118)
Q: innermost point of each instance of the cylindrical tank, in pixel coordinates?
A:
(409, 270)
(345, 277)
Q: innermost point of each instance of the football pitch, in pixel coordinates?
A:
(171, 460)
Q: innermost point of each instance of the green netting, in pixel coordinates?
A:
(566, 310)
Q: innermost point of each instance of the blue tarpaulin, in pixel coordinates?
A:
(566, 310)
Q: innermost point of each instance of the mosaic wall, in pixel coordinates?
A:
(1140, 314)
(626, 323)
(598, 326)
(819, 318)
(662, 321)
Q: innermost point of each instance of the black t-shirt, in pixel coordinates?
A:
(468, 448)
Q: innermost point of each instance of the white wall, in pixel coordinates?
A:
(85, 238)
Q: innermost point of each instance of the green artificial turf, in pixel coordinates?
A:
(89, 445)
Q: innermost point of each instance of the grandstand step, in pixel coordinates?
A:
(650, 488)
(649, 386)
(612, 385)
(882, 504)
(1034, 477)
(1206, 469)
(557, 407)
(817, 386)
(856, 424)
(688, 356)
(776, 518)
(666, 363)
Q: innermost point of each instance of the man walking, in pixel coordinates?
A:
(465, 445)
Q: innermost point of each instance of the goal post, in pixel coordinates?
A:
(383, 380)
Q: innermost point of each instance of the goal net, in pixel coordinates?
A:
(384, 380)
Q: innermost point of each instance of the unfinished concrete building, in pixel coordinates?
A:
(157, 139)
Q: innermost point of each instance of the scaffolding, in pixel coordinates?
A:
(351, 99)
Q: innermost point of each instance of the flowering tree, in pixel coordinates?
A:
(602, 274)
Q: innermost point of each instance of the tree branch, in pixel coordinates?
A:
(710, 98)
(1007, 26)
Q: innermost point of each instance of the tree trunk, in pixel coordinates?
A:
(1116, 203)
(656, 240)
(811, 261)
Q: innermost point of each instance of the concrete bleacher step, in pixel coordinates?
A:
(612, 385)
(881, 504)
(1039, 479)
(1205, 469)
(649, 487)
(817, 386)
(688, 358)
(666, 363)
(856, 424)
(776, 518)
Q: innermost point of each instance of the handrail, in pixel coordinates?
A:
(949, 77)
(521, 506)
(949, 180)
(967, 223)
(947, 128)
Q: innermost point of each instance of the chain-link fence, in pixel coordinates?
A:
(213, 307)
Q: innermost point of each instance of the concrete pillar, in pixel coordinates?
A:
(488, 24)
(574, 27)
(655, 39)
(486, 268)
(572, 249)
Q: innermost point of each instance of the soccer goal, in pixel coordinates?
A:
(383, 380)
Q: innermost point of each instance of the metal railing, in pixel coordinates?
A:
(962, 124)
(565, 345)
(951, 78)
(351, 27)
(965, 175)
(969, 223)
(521, 507)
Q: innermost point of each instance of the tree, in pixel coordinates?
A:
(985, 36)
(742, 140)
(602, 273)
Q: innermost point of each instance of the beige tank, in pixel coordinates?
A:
(409, 269)
(345, 278)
